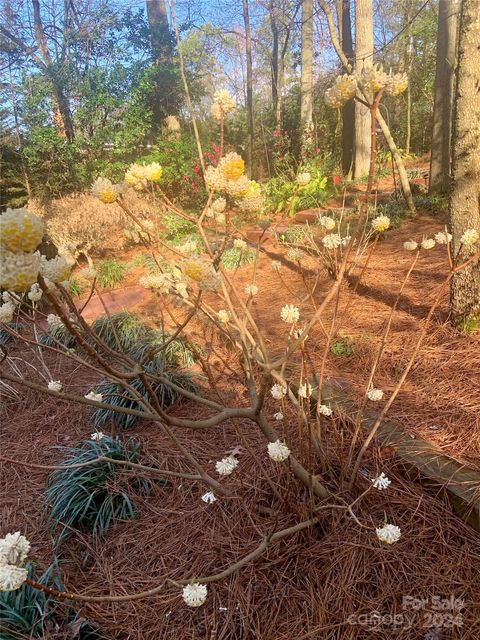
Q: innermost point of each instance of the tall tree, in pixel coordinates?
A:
(348, 110)
(306, 81)
(160, 38)
(248, 54)
(363, 60)
(440, 163)
(465, 195)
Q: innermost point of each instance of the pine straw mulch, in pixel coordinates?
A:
(314, 584)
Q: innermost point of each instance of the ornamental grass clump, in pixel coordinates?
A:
(95, 496)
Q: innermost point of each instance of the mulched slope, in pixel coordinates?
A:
(308, 585)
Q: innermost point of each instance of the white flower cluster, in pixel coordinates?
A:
(375, 395)
(219, 205)
(294, 254)
(290, 314)
(253, 199)
(381, 482)
(95, 397)
(380, 224)
(195, 594)
(305, 390)
(106, 191)
(278, 391)
(443, 237)
(223, 316)
(327, 222)
(331, 241)
(223, 104)
(139, 175)
(278, 451)
(14, 549)
(55, 270)
(225, 466)
(35, 293)
(54, 385)
(96, 436)
(53, 321)
(161, 281)
(251, 289)
(203, 273)
(396, 84)
(469, 237)
(372, 79)
(7, 309)
(304, 178)
(18, 271)
(388, 533)
(20, 230)
(343, 90)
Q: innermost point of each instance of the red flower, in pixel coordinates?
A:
(276, 133)
(336, 180)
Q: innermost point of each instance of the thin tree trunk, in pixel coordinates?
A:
(440, 163)
(248, 54)
(306, 81)
(409, 58)
(348, 110)
(275, 56)
(465, 195)
(363, 60)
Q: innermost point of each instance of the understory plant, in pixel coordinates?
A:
(269, 389)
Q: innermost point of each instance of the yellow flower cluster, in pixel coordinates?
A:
(343, 90)
(396, 84)
(223, 103)
(106, 191)
(231, 166)
(138, 175)
(203, 273)
(253, 199)
(55, 270)
(20, 234)
(20, 230)
(372, 79)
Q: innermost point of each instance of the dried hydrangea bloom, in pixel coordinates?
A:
(381, 482)
(428, 243)
(95, 397)
(332, 241)
(290, 314)
(18, 271)
(278, 451)
(388, 533)
(278, 391)
(469, 237)
(410, 245)
(14, 548)
(375, 395)
(54, 385)
(20, 230)
(11, 577)
(7, 309)
(223, 316)
(380, 223)
(231, 166)
(225, 466)
(443, 237)
(105, 190)
(56, 269)
(304, 178)
(194, 595)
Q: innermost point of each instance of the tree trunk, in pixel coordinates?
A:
(275, 56)
(409, 58)
(440, 164)
(363, 60)
(465, 195)
(160, 40)
(306, 81)
(348, 111)
(62, 117)
(248, 54)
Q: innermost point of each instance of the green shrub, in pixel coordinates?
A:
(75, 287)
(178, 229)
(110, 272)
(342, 348)
(176, 353)
(95, 496)
(233, 258)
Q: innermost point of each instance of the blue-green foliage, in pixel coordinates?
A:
(95, 496)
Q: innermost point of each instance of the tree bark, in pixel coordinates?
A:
(465, 195)
(160, 40)
(440, 163)
(248, 54)
(306, 81)
(409, 59)
(363, 60)
(348, 110)
(275, 55)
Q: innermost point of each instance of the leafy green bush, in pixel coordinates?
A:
(94, 496)
(286, 195)
(110, 272)
(342, 348)
(178, 229)
(233, 258)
